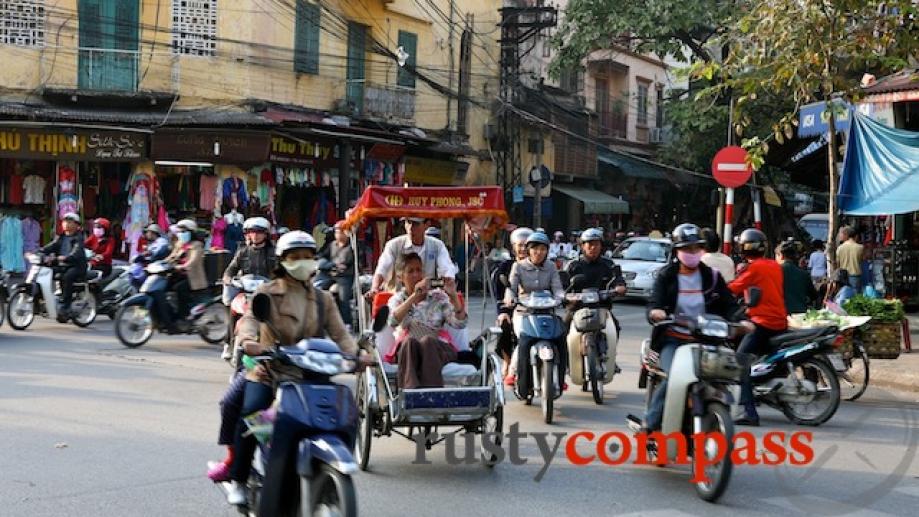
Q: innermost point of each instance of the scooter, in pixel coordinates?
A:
(592, 338)
(318, 418)
(112, 290)
(540, 323)
(37, 295)
(698, 397)
(137, 318)
(247, 284)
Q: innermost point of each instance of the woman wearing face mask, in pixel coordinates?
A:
(188, 256)
(102, 244)
(298, 311)
(687, 288)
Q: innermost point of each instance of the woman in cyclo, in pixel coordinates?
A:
(418, 314)
(535, 273)
(298, 311)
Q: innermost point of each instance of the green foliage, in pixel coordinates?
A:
(879, 310)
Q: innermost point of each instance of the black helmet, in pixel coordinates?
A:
(686, 234)
(753, 243)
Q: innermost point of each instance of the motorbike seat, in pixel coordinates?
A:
(795, 337)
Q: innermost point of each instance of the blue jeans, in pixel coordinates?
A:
(655, 414)
(855, 281)
(257, 396)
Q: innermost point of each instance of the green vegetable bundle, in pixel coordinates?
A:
(879, 310)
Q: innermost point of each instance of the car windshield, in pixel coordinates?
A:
(651, 251)
(818, 230)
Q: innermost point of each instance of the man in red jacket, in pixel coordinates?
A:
(769, 315)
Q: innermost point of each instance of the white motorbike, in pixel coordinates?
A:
(592, 338)
(699, 393)
(39, 295)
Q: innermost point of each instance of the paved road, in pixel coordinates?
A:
(92, 428)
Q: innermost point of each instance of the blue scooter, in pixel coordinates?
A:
(545, 328)
(305, 467)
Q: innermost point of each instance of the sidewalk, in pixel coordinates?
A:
(901, 373)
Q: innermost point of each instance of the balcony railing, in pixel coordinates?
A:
(109, 69)
(613, 124)
(390, 103)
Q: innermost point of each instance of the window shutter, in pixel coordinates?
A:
(409, 43)
(306, 39)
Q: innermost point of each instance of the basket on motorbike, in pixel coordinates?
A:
(717, 363)
(472, 397)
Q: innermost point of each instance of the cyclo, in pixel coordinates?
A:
(472, 398)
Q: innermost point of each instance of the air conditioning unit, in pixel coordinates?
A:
(656, 135)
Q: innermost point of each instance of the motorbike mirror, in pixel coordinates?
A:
(379, 321)
(752, 296)
(261, 307)
(577, 281)
(503, 280)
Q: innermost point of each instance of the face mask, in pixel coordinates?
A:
(99, 232)
(302, 270)
(690, 260)
(184, 237)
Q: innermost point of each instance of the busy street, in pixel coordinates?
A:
(93, 428)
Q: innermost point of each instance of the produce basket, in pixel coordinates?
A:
(848, 326)
(882, 337)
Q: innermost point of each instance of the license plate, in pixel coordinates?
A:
(838, 364)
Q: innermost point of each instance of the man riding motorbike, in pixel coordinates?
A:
(501, 274)
(769, 316)
(687, 288)
(597, 273)
(67, 254)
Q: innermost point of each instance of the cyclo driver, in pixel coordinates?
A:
(597, 273)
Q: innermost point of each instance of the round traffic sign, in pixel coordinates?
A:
(730, 167)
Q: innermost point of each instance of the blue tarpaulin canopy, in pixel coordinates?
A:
(881, 171)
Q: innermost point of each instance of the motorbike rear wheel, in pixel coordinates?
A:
(548, 391)
(213, 324)
(593, 367)
(133, 325)
(824, 377)
(85, 305)
(331, 493)
(20, 310)
(717, 419)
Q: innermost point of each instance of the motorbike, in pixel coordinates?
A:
(112, 290)
(247, 284)
(38, 295)
(319, 418)
(593, 330)
(540, 323)
(4, 294)
(137, 318)
(323, 278)
(698, 395)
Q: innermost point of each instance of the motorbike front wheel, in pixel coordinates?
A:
(365, 418)
(133, 325)
(213, 324)
(84, 305)
(593, 368)
(854, 381)
(21, 309)
(717, 419)
(548, 391)
(331, 493)
(825, 400)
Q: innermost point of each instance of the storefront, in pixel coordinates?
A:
(46, 172)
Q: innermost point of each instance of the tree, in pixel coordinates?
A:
(806, 50)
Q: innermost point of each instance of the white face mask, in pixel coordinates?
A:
(302, 269)
(184, 237)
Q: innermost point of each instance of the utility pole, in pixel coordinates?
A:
(462, 111)
(450, 80)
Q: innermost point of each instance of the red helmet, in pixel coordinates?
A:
(104, 223)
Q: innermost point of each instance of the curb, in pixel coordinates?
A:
(912, 387)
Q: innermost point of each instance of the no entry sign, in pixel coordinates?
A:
(730, 167)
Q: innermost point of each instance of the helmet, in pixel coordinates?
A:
(104, 223)
(520, 235)
(591, 234)
(256, 224)
(753, 243)
(295, 240)
(433, 232)
(72, 216)
(537, 238)
(187, 225)
(686, 234)
(558, 233)
(282, 230)
(155, 228)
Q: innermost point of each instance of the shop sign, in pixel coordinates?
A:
(211, 146)
(303, 152)
(428, 171)
(93, 146)
(814, 119)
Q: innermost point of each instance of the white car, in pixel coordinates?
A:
(641, 259)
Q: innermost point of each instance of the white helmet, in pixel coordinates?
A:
(295, 240)
(187, 225)
(72, 216)
(258, 224)
(520, 235)
(155, 228)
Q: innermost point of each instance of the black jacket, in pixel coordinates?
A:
(718, 299)
(253, 261)
(73, 244)
(598, 273)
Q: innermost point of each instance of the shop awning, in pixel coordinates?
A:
(595, 202)
(630, 166)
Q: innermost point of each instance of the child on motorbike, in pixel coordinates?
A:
(102, 244)
(298, 311)
(422, 346)
(686, 288)
(536, 273)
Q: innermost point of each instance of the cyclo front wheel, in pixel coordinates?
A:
(364, 422)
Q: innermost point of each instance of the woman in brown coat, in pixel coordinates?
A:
(188, 256)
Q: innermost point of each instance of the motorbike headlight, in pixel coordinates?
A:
(713, 328)
(540, 302)
(319, 362)
(251, 284)
(590, 297)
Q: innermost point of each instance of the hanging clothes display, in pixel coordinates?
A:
(11, 247)
(208, 186)
(33, 189)
(67, 201)
(15, 193)
(144, 196)
(31, 235)
(218, 229)
(234, 193)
